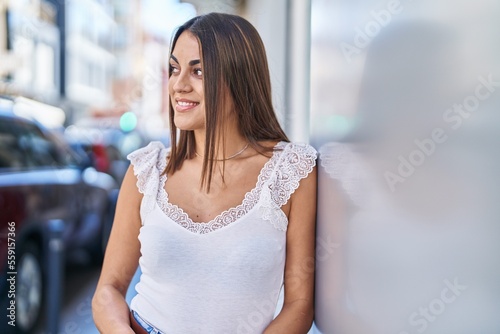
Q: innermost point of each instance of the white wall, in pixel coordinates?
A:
(405, 100)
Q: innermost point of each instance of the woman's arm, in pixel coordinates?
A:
(298, 308)
(110, 311)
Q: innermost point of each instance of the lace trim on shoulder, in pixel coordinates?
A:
(297, 161)
(227, 217)
(148, 163)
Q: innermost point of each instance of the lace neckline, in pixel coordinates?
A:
(228, 216)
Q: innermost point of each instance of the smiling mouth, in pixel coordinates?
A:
(187, 104)
(183, 105)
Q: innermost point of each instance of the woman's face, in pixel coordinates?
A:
(185, 85)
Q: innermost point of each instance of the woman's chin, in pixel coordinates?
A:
(183, 126)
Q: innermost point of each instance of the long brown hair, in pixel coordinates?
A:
(235, 73)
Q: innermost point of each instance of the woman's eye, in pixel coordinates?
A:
(173, 69)
(198, 72)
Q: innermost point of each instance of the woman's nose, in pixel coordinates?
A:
(181, 83)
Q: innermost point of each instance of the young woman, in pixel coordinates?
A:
(224, 218)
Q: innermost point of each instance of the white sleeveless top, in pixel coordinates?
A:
(222, 276)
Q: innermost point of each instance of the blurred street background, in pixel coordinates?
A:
(399, 96)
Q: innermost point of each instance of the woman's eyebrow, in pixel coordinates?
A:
(174, 59)
(191, 63)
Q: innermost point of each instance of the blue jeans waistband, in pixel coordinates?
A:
(146, 325)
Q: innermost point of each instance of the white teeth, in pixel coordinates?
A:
(186, 104)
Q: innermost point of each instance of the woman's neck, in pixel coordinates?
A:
(233, 144)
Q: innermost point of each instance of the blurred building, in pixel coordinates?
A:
(90, 57)
(128, 44)
(138, 86)
(90, 62)
(30, 48)
(52, 54)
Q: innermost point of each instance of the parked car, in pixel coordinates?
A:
(105, 143)
(41, 180)
(100, 148)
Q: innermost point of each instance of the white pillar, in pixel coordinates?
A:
(207, 6)
(298, 70)
(270, 19)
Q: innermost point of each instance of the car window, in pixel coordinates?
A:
(24, 145)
